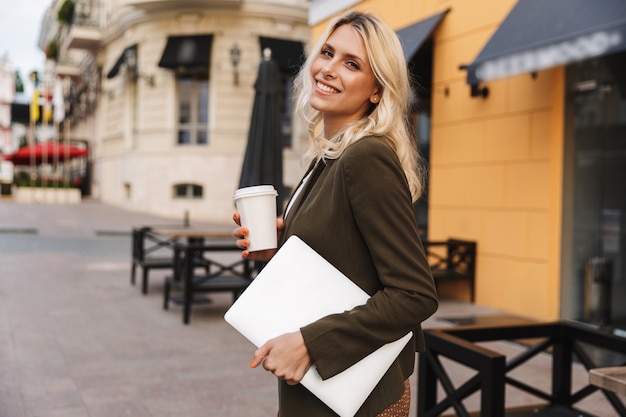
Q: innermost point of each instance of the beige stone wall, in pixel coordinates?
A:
(136, 157)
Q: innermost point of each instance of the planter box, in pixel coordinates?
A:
(30, 195)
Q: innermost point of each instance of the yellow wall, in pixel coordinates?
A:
(496, 163)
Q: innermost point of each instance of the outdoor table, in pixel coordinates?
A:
(610, 378)
(192, 232)
(197, 246)
(148, 242)
(206, 240)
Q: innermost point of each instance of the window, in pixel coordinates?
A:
(594, 209)
(193, 111)
(420, 67)
(188, 191)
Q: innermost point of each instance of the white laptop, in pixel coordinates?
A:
(295, 288)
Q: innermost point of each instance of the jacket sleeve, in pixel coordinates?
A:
(380, 202)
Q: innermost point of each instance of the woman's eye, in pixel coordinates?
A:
(327, 53)
(353, 64)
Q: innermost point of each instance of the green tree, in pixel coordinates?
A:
(19, 84)
(52, 50)
(34, 77)
(65, 15)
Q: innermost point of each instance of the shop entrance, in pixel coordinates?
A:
(594, 210)
(421, 69)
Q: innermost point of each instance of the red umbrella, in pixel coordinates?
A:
(52, 150)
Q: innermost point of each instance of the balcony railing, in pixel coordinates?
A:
(85, 32)
(69, 63)
(88, 13)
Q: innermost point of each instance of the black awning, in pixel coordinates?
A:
(540, 34)
(20, 113)
(185, 53)
(121, 60)
(289, 55)
(413, 37)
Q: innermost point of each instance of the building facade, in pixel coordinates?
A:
(525, 145)
(163, 90)
(7, 96)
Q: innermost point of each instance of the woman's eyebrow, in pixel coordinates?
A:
(354, 57)
(346, 55)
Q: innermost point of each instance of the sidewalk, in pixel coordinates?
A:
(77, 340)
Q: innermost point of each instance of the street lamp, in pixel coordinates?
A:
(235, 58)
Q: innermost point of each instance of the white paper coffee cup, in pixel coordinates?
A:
(257, 207)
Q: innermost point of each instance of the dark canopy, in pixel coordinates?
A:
(187, 54)
(288, 55)
(263, 160)
(121, 60)
(412, 37)
(540, 34)
(20, 113)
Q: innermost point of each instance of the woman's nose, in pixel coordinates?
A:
(328, 70)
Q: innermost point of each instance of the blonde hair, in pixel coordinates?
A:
(388, 119)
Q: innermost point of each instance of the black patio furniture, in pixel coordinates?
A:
(231, 277)
(568, 343)
(453, 260)
(149, 252)
(153, 247)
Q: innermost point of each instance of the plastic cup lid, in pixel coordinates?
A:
(255, 191)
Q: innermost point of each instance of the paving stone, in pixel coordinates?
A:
(77, 340)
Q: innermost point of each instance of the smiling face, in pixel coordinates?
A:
(344, 83)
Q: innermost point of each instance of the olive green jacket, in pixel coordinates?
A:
(356, 212)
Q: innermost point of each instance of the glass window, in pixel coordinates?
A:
(421, 68)
(594, 209)
(196, 191)
(193, 191)
(193, 111)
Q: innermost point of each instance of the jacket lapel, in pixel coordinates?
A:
(315, 171)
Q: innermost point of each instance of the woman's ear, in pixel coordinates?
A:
(375, 97)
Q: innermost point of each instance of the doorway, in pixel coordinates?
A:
(594, 228)
(421, 71)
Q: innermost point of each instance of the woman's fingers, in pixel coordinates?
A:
(242, 243)
(241, 233)
(259, 255)
(259, 355)
(280, 225)
(285, 356)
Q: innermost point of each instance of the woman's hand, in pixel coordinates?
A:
(285, 356)
(241, 234)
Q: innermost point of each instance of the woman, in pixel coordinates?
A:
(355, 208)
